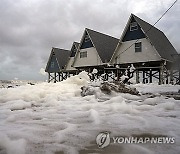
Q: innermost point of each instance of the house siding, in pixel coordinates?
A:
(56, 66)
(148, 53)
(69, 64)
(92, 58)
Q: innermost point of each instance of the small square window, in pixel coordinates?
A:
(138, 47)
(133, 26)
(52, 64)
(83, 54)
(86, 39)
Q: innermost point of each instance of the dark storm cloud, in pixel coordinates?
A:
(29, 29)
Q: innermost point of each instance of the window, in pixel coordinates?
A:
(52, 64)
(138, 47)
(133, 26)
(83, 54)
(86, 39)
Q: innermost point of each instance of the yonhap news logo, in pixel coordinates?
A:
(103, 139)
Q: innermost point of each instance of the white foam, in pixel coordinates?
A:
(42, 71)
(136, 149)
(54, 117)
(151, 101)
(19, 105)
(12, 146)
(167, 105)
(95, 116)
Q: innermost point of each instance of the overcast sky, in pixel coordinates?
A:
(30, 28)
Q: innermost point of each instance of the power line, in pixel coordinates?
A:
(150, 27)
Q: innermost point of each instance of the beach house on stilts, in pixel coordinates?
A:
(56, 64)
(95, 51)
(148, 49)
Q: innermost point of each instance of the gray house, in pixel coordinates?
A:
(56, 64)
(146, 47)
(95, 50)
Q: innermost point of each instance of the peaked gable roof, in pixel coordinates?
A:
(76, 46)
(104, 44)
(74, 49)
(61, 55)
(158, 39)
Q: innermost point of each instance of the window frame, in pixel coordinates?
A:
(133, 26)
(52, 64)
(86, 38)
(138, 47)
(83, 54)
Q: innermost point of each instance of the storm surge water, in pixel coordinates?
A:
(54, 118)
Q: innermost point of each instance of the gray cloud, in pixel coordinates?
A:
(29, 29)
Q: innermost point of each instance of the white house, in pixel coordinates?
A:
(140, 43)
(95, 49)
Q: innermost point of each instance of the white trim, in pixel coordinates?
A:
(121, 37)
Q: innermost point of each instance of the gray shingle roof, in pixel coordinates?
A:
(158, 39)
(104, 44)
(62, 56)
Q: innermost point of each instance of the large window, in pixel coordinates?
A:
(138, 47)
(83, 54)
(133, 26)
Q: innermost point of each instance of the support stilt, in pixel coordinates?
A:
(171, 76)
(161, 75)
(144, 76)
(59, 76)
(137, 76)
(48, 77)
(179, 78)
(150, 76)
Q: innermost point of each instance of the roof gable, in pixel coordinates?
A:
(74, 49)
(86, 41)
(76, 44)
(53, 65)
(133, 34)
(104, 44)
(158, 39)
(61, 56)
